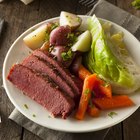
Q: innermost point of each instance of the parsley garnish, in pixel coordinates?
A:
(67, 55)
(54, 25)
(34, 115)
(87, 91)
(136, 4)
(51, 48)
(46, 36)
(72, 37)
(25, 105)
(111, 114)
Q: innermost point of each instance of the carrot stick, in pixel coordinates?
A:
(114, 102)
(86, 95)
(83, 72)
(101, 89)
(106, 90)
(93, 111)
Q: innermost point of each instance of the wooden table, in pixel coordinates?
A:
(19, 18)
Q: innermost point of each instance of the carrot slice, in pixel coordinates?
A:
(83, 72)
(114, 102)
(86, 95)
(93, 111)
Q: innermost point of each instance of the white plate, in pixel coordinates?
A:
(19, 51)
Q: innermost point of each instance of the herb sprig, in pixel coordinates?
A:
(111, 114)
(67, 55)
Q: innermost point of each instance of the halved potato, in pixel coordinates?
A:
(36, 38)
(70, 19)
(83, 43)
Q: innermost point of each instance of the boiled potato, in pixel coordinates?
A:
(63, 55)
(36, 38)
(83, 42)
(59, 36)
(70, 19)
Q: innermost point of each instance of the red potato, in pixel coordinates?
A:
(58, 51)
(76, 65)
(70, 19)
(59, 36)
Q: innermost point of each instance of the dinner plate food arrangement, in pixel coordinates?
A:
(74, 73)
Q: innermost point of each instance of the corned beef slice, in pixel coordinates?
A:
(42, 90)
(73, 81)
(45, 68)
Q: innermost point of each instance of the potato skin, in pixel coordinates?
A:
(58, 36)
(57, 52)
(70, 19)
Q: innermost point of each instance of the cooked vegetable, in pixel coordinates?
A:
(36, 38)
(118, 101)
(76, 65)
(102, 89)
(106, 90)
(110, 62)
(59, 36)
(83, 42)
(67, 55)
(63, 55)
(70, 19)
(93, 111)
(83, 72)
(72, 37)
(86, 95)
(45, 46)
(57, 51)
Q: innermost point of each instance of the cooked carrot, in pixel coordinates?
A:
(114, 102)
(106, 90)
(83, 72)
(86, 95)
(93, 111)
(102, 89)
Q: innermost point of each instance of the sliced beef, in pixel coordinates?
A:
(42, 90)
(73, 81)
(45, 68)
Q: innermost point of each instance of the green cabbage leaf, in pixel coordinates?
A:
(101, 58)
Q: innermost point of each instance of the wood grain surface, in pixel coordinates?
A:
(20, 17)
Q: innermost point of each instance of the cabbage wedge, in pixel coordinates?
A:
(110, 59)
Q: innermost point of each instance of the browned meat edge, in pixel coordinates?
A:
(42, 90)
(74, 82)
(45, 68)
